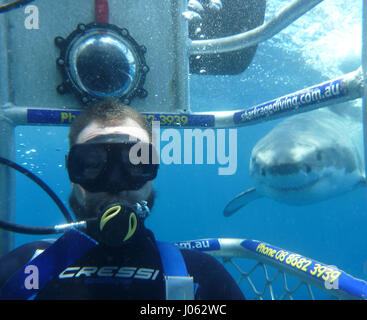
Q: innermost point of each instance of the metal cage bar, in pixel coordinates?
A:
(264, 32)
(311, 272)
(364, 72)
(341, 89)
(7, 145)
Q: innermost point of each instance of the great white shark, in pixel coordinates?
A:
(307, 158)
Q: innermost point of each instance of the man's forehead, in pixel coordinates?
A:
(128, 126)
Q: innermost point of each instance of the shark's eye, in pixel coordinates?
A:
(307, 168)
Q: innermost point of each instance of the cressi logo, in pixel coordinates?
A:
(111, 272)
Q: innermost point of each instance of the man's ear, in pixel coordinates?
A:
(78, 192)
(77, 200)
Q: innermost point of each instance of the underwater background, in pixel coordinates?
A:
(323, 44)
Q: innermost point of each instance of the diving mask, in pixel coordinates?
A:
(112, 163)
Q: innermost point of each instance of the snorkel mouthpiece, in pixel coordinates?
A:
(118, 222)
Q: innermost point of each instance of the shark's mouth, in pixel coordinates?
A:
(295, 187)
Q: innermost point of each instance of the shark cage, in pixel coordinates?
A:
(65, 37)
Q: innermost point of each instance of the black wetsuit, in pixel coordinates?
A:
(130, 272)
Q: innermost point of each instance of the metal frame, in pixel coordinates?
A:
(364, 81)
(341, 89)
(7, 146)
(303, 268)
(262, 33)
(350, 87)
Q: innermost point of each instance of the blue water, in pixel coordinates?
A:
(190, 198)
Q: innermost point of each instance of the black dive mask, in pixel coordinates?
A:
(112, 163)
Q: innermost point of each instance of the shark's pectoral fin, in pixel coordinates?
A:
(240, 201)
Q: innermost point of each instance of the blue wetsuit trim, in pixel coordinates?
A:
(65, 251)
(172, 261)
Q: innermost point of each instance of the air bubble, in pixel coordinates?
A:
(191, 15)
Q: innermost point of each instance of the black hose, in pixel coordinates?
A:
(13, 5)
(27, 229)
(43, 185)
(18, 228)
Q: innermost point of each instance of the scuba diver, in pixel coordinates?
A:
(116, 256)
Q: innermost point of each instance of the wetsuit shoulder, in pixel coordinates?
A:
(213, 279)
(17, 258)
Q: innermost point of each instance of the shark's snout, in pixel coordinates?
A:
(293, 167)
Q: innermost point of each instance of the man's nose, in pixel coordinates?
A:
(116, 182)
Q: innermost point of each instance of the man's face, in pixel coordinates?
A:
(86, 204)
